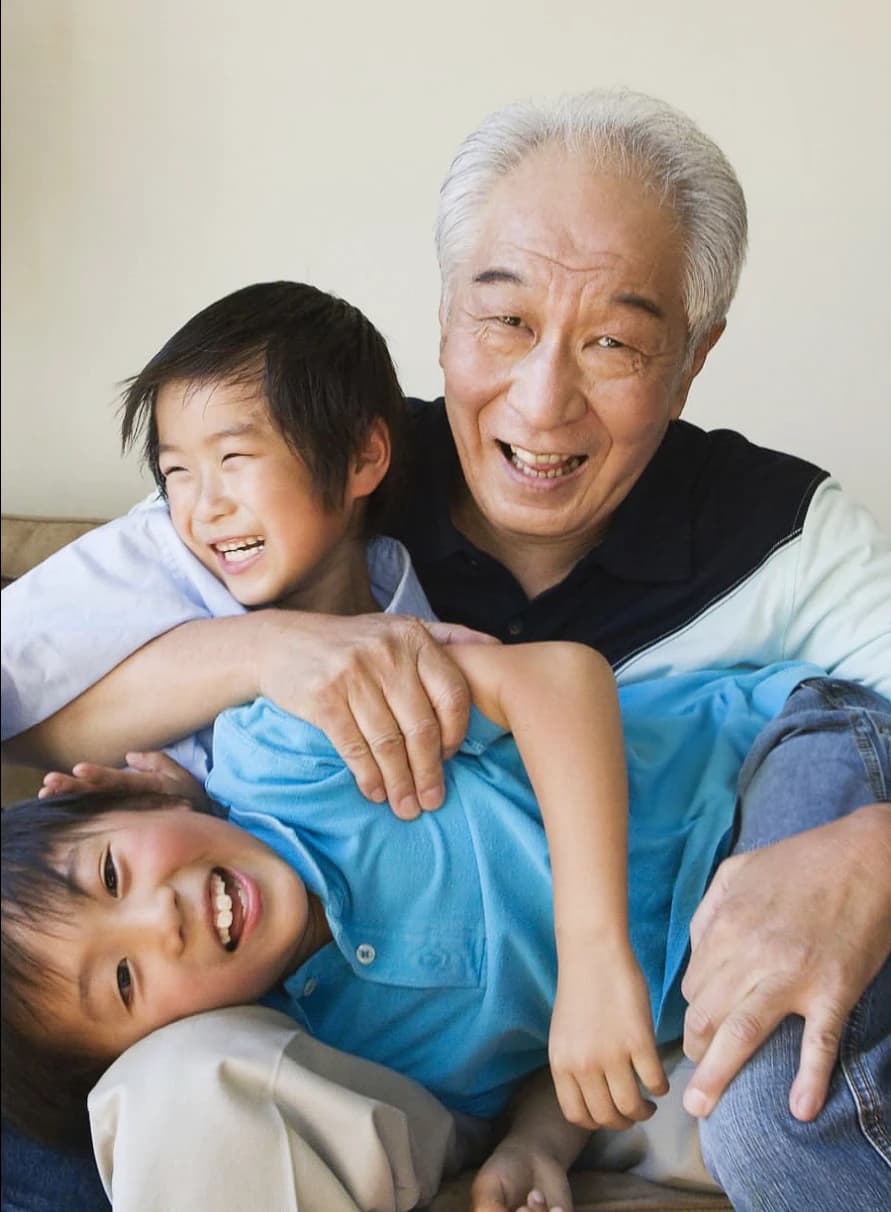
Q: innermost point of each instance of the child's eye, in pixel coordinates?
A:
(110, 874)
(125, 983)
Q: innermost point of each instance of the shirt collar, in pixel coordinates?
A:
(648, 539)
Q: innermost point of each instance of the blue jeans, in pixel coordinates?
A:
(829, 734)
(39, 1179)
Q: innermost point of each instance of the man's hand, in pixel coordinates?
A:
(602, 1040)
(384, 691)
(149, 772)
(799, 927)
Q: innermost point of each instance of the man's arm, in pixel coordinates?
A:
(388, 696)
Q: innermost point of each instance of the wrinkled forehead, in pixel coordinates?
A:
(556, 212)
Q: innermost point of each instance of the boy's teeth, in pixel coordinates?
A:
(240, 549)
(222, 902)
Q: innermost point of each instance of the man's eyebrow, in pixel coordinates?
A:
(489, 276)
(630, 298)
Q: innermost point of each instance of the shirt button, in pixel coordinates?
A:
(515, 627)
(365, 953)
(309, 986)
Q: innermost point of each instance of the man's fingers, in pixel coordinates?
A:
(449, 696)
(819, 1051)
(710, 904)
(456, 633)
(699, 1030)
(741, 1033)
(345, 735)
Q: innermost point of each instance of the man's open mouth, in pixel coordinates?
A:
(228, 902)
(546, 466)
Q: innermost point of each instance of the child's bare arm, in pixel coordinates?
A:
(560, 702)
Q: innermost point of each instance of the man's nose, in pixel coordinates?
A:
(155, 919)
(547, 388)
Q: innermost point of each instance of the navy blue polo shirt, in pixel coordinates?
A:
(703, 520)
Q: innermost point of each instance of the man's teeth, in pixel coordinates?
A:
(222, 904)
(239, 549)
(543, 466)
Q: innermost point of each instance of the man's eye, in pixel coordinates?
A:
(510, 321)
(125, 983)
(608, 343)
(110, 874)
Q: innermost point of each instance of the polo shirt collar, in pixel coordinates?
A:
(649, 538)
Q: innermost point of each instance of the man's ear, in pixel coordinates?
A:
(372, 462)
(702, 351)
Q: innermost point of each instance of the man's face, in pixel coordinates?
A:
(180, 912)
(564, 352)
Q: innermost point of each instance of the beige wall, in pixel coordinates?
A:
(158, 153)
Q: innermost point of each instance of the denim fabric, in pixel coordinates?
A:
(834, 735)
(39, 1179)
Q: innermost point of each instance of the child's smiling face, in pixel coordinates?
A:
(180, 913)
(244, 502)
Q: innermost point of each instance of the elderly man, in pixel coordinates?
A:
(589, 254)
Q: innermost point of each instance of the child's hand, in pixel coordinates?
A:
(602, 1039)
(521, 1174)
(148, 772)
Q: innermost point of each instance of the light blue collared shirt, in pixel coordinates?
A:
(443, 964)
(81, 612)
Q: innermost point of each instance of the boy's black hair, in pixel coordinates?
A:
(44, 1083)
(323, 368)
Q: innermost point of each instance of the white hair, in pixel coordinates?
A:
(621, 132)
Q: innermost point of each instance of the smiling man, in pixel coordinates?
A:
(589, 253)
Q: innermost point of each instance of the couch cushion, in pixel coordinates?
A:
(28, 540)
(25, 542)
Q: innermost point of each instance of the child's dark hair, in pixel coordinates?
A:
(324, 370)
(44, 1083)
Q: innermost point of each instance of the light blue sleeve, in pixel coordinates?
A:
(70, 620)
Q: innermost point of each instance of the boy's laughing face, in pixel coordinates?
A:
(242, 500)
(179, 913)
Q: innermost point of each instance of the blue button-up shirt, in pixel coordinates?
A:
(443, 963)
